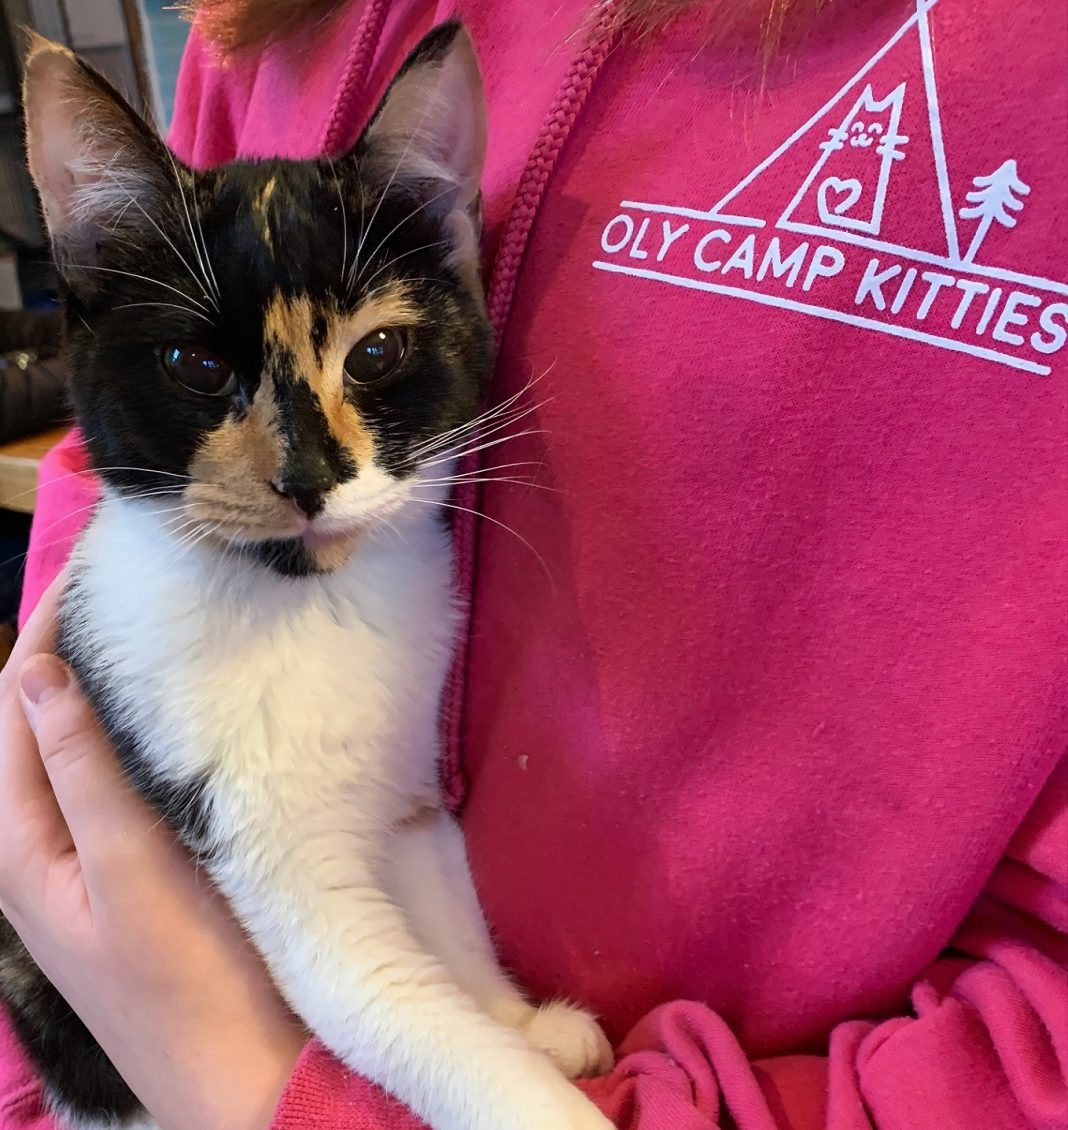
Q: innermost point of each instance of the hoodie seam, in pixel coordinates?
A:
(555, 131)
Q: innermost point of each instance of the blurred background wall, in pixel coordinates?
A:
(137, 44)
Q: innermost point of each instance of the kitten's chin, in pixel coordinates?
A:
(302, 556)
(329, 551)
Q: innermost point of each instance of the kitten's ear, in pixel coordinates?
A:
(431, 124)
(89, 152)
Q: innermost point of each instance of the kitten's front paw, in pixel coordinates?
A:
(571, 1038)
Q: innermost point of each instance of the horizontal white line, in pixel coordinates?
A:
(830, 315)
(742, 221)
(692, 213)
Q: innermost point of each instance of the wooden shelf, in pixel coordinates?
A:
(19, 462)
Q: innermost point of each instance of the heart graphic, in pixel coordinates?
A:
(845, 194)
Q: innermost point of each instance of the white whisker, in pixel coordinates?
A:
(494, 479)
(201, 282)
(496, 522)
(389, 184)
(93, 472)
(404, 255)
(93, 505)
(485, 417)
(441, 438)
(497, 467)
(204, 260)
(188, 543)
(171, 305)
(462, 454)
(117, 219)
(142, 278)
(451, 187)
(344, 221)
(467, 435)
(42, 530)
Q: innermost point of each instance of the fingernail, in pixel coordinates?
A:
(43, 677)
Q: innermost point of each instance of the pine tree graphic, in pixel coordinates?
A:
(994, 195)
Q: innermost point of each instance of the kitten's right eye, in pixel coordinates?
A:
(198, 370)
(376, 355)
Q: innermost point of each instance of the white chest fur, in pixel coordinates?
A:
(232, 673)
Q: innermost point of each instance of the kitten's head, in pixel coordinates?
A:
(273, 351)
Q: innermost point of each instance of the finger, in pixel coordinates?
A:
(106, 817)
(38, 635)
(33, 833)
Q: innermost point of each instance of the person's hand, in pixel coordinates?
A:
(138, 942)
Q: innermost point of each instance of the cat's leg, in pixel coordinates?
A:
(430, 874)
(81, 1086)
(344, 955)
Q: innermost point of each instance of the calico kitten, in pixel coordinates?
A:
(271, 361)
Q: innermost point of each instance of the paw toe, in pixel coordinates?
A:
(571, 1038)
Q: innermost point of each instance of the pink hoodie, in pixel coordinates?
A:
(763, 759)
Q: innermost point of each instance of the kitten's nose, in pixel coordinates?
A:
(306, 492)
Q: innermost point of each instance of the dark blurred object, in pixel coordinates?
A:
(33, 378)
(33, 395)
(7, 642)
(14, 538)
(38, 283)
(35, 331)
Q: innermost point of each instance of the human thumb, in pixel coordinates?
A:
(102, 811)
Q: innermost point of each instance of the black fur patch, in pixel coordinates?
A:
(183, 806)
(289, 558)
(72, 1065)
(320, 328)
(313, 453)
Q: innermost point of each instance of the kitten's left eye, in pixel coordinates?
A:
(198, 370)
(376, 356)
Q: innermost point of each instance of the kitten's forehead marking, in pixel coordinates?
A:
(267, 192)
(310, 339)
(289, 330)
(260, 206)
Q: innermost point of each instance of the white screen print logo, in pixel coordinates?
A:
(833, 229)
